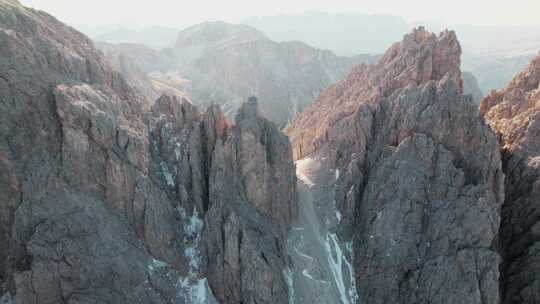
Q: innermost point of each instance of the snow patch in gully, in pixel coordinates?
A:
(321, 270)
(194, 288)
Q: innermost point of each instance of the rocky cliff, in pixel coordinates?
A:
(109, 197)
(418, 182)
(217, 62)
(514, 112)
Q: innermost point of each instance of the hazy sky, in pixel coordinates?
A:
(180, 13)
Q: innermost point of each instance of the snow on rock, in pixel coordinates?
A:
(303, 170)
(321, 268)
(337, 261)
(193, 288)
(6, 299)
(288, 275)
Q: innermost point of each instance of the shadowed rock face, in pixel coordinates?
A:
(110, 198)
(252, 195)
(421, 185)
(514, 113)
(470, 86)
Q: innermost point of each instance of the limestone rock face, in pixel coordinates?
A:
(411, 62)
(514, 112)
(65, 127)
(252, 203)
(108, 197)
(419, 184)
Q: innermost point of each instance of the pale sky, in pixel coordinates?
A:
(181, 13)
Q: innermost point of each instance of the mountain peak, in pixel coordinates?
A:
(513, 110)
(217, 33)
(421, 57)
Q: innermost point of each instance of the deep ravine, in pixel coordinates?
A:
(321, 268)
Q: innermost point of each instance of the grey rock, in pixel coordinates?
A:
(252, 203)
(421, 184)
(514, 113)
(108, 197)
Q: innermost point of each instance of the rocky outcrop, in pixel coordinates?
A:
(241, 178)
(72, 149)
(108, 197)
(514, 113)
(217, 62)
(252, 199)
(419, 182)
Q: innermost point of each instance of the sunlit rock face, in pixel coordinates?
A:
(109, 197)
(514, 112)
(420, 184)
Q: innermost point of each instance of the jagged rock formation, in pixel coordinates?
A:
(470, 86)
(514, 113)
(108, 197)
(252, 205)
(419, 182)
(494, 54)
(227, 63)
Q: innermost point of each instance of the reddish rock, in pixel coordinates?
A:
(514, 113)
(420, 187)
(421, 57)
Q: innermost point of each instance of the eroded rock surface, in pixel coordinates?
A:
(252, 197)
(109, 197)
(420, 184)
(514, 113)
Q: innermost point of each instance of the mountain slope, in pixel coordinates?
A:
(514, 112)
(109, 197)
(414, 173)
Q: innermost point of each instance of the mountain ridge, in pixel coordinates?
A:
(406, 144)
(514, 113)
(213, 66)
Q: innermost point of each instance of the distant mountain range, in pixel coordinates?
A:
(223, 63)
(345, 34)
(155, 36)
(493, 54)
